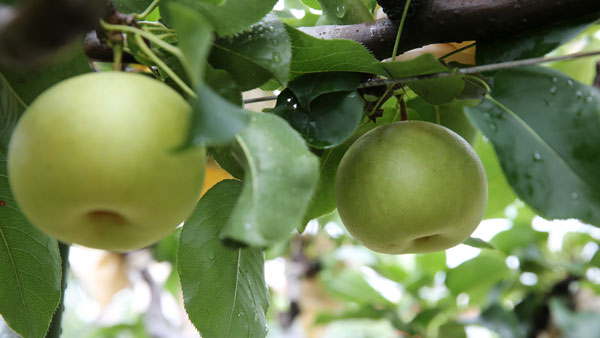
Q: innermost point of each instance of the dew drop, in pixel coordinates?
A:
(589, 99)
(295, 106)
(537, 156)
(579, 94)
(276, 57)
(340, 11)
(570, 83)
(211, 255)
(289, 99)
(553, 90)
(493, 126)
(574, 196)
(555, 79)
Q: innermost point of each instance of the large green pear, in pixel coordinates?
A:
(95, 161)
(410, 187)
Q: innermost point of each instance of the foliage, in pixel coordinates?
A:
(540, 149)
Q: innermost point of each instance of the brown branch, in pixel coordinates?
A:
(459, 20)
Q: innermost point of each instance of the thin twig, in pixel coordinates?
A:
(462, 71)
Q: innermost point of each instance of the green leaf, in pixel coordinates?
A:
(224, 85)
(224, 289)
(258, 54)
(228, 17)
(331, 119)
(579, 69)
(350, 285)
(500, 193)
(280, 177)
(29, 84)
(230, 158)
(343, 12)
(30, 271)
(478, 243)
(436, 91)
(11, 108)
(312, 55)
(431, 263)
(545, 131)
(518, 238)
(195, 38)
(308, 87)
(572, 324)
(131, 6)
(451, 115)
(531, 44)
(364, 311)
(477, 274)
(214, 119)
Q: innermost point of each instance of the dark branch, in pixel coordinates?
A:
(40, 28)
(459, 20)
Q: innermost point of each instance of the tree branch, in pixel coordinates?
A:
(439, 21)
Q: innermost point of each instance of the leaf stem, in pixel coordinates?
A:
(458, 51)
(400, 28)
(147, 11)
(117, 56)
(147, 35)
(163, 66)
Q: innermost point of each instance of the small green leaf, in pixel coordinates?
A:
(228, 17)
(518, 238)
(308, 87)
(30, 271)
(281, 175)
(312, 55)
(477, 274)
(214, 119)
(435, 91)
(350, 285)
(332, 117)
(195, 37)
(224, 289)
(544, 127)
(256, 55)
(478, 243)
(11, 108)
(450, 115)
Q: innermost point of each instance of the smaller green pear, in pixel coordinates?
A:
(94, 161)
(410, 187)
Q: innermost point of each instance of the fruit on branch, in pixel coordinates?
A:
(94, 161)
(410, 187)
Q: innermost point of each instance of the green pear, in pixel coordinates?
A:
(410, 187)
(94, 161)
